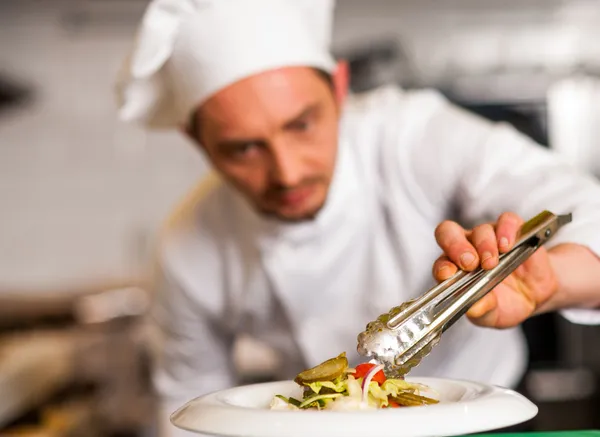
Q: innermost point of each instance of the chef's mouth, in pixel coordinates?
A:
(296, 196)
(294, 205)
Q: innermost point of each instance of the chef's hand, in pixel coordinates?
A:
(520, 294)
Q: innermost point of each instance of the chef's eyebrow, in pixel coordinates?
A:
(311, 108)
(239, 142)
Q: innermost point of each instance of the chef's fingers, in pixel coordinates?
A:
(484, 312)
(507, 228)
(452, 239)
(443, 268)
(484, 239)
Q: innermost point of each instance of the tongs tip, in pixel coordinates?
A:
(564, 219)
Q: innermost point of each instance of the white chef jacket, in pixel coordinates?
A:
(406, 161)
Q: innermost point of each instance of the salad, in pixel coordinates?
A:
(333, 385)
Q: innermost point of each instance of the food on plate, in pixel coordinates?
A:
(333, 385)
(328, 370)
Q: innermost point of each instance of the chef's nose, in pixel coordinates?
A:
(286, 167)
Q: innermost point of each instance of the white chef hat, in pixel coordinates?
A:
(186, 50)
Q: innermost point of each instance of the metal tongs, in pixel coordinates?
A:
(401, 338)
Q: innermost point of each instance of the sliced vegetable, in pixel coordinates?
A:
(368, 377)
(291, 401)
(413, 400)
(314, 399)
(326, 371)
(377, 395)
(363, 369)
(338, 386)
(294, 402)
(394, 386)
(332, 385)
(354, 390)
(280, 403)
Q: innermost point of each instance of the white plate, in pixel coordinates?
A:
(465, 407)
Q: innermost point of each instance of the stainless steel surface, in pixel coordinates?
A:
(402, 337)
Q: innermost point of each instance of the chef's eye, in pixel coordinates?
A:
(242, 150)
(301, 125)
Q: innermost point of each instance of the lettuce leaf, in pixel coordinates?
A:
(354, 390)
(394, 386)
(339, 385)
(377, 395)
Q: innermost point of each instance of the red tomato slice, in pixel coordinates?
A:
(393, 404)
(363, 369)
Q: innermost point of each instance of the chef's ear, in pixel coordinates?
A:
(341, 81)
(190, 129)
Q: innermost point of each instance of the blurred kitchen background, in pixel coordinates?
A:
(82, 195)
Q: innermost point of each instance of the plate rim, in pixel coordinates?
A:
(212, 404)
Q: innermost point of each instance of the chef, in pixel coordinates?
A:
(325, 210)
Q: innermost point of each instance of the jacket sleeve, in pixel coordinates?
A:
(477, 169)
(191, 353)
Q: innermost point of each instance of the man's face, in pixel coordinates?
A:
(274, 137)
